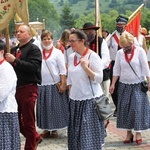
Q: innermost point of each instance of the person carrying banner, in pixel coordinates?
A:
(26, 60)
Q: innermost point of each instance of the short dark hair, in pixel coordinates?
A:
(81, 35)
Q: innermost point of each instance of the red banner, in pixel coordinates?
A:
(134, 24)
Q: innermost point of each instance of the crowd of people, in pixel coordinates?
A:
(58, 80)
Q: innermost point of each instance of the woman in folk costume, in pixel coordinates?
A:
(62, 44)
(9, 126)
(85, 129)
(52, 103)
(133, 105)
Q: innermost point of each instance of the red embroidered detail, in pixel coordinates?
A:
(2, 61)
(129, 58)
(44, 54)
(75, 57)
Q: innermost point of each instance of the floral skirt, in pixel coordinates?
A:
(133, 110)
(85, 130)
(9, 131)
(52, 108)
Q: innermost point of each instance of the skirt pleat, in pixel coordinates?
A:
(52, 108)
(85, 130)
(133, 108)
(9, 131)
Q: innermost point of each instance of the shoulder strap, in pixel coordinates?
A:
(49, 71)
(134, 71)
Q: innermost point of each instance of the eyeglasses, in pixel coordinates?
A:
(72, 41)
(128, 47)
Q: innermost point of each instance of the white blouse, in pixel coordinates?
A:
(79, 81)
(139, 64)
(55, 65)
(8, 82)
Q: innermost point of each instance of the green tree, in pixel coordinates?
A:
(66, 18)
(43, 9)
(83, 18)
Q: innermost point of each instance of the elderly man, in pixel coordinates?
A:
(26, 59)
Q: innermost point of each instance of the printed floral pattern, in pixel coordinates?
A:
(20, 3)
(5, 10)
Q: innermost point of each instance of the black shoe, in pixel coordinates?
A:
(115, 113)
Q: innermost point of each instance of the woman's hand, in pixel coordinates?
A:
(111, 89)
(63, 88)
(84, 63)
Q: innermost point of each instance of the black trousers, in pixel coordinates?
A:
(115, 94)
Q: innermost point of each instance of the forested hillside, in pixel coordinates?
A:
(86, 6)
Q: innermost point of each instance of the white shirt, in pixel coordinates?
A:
(8, 81)
(56, 65)
(138, 63)
(105, 54)
(77, 77)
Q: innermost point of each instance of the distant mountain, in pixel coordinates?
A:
(86, 6)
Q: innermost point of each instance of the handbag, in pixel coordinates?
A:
(57, 84)
(102, 106)
(144, 84)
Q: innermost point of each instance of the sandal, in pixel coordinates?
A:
(45, 134)
(54, 134)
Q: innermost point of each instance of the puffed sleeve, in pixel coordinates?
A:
(61, 63)
(144, 62)
(7, 81)
(96, 65)
(117, 68)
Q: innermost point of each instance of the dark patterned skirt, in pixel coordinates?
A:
(52, 108)
(85, 130)
(9, 131)
(133, 110)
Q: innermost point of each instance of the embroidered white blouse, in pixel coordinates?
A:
(55, 65)
(8, 82)
(139, 64)
(79, 81)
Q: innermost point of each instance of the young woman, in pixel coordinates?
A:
(52, 103)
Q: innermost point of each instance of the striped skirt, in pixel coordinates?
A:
(52, 108)
(133, 110)
(85, 130)
(9, 131)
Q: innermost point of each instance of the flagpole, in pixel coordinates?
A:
(97, 21)
(135, 12)
(7, 38)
